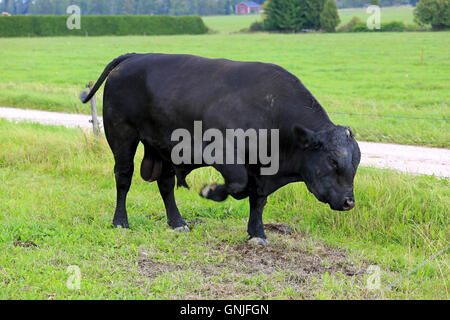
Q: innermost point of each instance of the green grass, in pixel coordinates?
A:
(388, 14)
(57, 191)
(381, 74)
(236, 23)
(230, 24)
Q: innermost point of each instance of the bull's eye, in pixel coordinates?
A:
(333, 163)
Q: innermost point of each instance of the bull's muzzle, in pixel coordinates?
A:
(349, 204)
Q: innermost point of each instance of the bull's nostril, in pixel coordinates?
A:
(349, 204)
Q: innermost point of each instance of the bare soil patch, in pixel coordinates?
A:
(279, 257)
(279, 228)
(25, 244)
(290, 260)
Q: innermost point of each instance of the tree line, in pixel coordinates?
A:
(157, 7)
(123, 7)
(306, 15)
(298, 15)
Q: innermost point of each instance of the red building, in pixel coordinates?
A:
(248, 8)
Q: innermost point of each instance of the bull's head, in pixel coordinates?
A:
(330, 160)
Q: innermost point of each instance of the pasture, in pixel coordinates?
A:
(230, 24)
(57, 189)
(389, 87)
(57, 200)
(388, 14)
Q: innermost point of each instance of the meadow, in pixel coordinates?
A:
(57, 200)
(230, 24)
(389, 87)
(387, 14)
(57, 189)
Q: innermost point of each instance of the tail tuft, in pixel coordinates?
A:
(83, 96)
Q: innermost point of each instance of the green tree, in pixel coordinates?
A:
(433, 12)
(293, 15)
(329, 18)
(375, 2)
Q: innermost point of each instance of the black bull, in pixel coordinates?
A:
(148, 96)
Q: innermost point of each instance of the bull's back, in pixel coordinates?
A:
(163, 92)
(176, 90)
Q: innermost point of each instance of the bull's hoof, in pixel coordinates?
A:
(122, 224)
(205, 193)
(214, 192)
(182, 229)
(258, 242)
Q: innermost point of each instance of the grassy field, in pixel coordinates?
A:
(377, 74)
(57, 200)
(388, 14)
(57, 190)
(230, 24)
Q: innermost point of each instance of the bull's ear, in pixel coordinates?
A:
(304, 137)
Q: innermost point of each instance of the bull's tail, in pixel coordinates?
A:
(85, 95)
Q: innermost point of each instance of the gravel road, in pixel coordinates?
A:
(410, 159)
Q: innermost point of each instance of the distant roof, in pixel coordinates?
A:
(250, 4)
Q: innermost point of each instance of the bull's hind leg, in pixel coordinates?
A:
(236, 180)
(123, 141)
(166, 184)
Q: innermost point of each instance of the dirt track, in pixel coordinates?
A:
(410, 159)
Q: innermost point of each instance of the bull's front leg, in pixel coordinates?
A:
(236, 180)
(255, 223)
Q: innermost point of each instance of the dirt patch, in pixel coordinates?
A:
(151, 268)
(25, 244)
(296, 261)
(243, 269)
(279, 228)
(193, 223)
